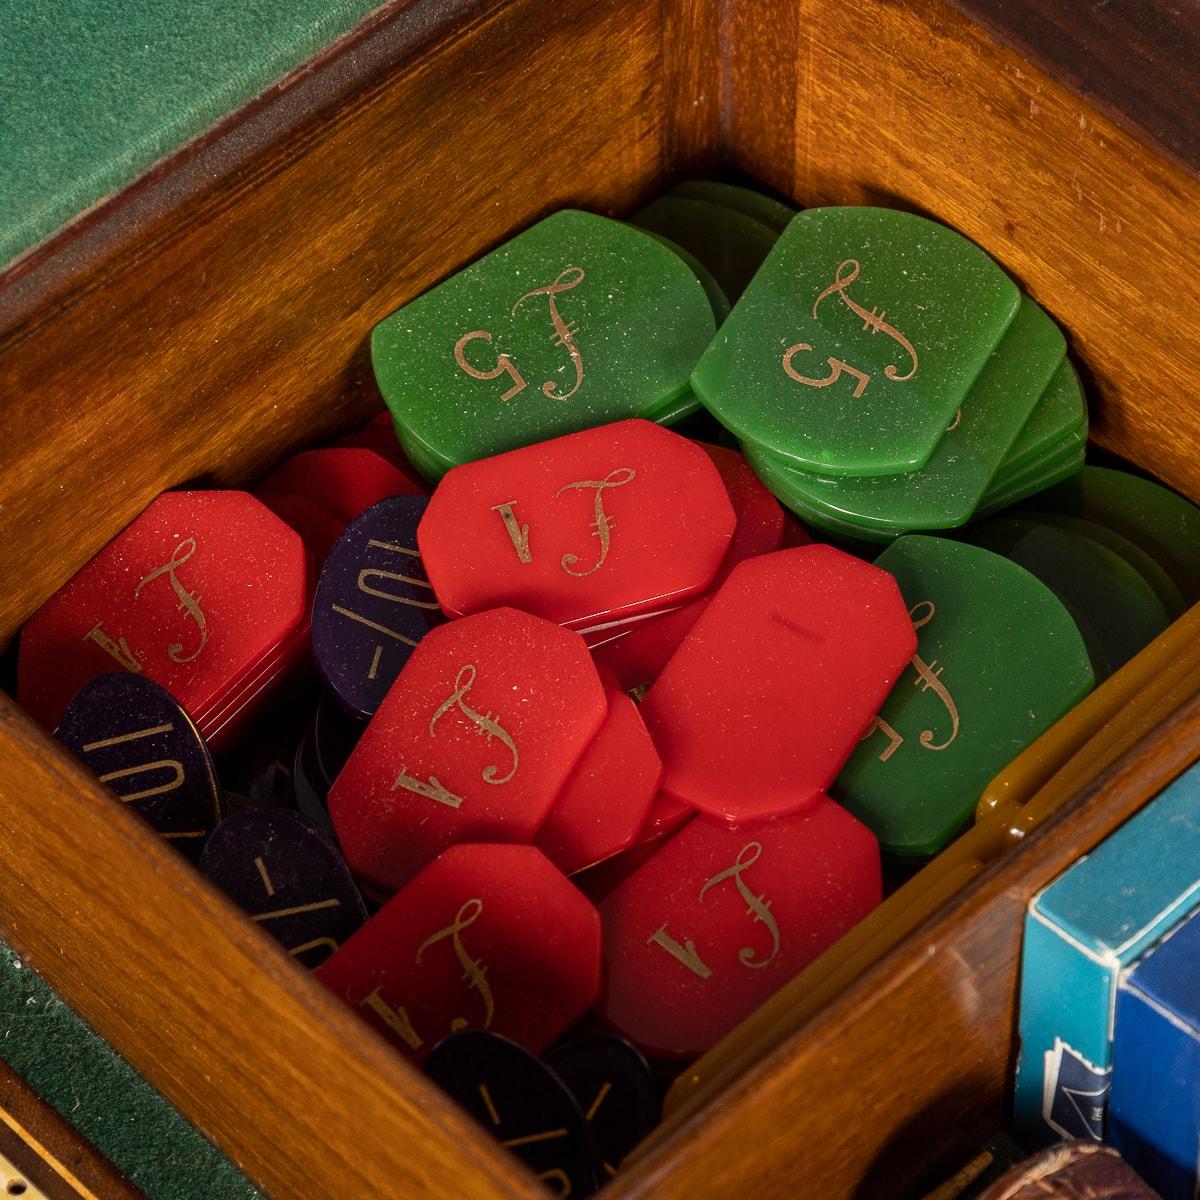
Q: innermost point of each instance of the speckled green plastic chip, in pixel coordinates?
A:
(1115, 608)
(775, 214)
(576, 322)
(1161, 584)
(717, 299)
(1157, 519)
(946, 491)
(1061, 415)
(999, 660)
(1062, 464)
(729, 243)
(857, 341)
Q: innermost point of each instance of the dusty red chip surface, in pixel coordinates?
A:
(598, 525)
(487, 937)
(202, 593)
(665, 816)
(318, 528)
(721, 917)
(769, 693)
(346, 480)
(473, 742)
(637, 653)
(605, 802)
(760, 517)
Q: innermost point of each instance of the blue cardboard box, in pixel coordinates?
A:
(1080, 933)
(1154, 1106)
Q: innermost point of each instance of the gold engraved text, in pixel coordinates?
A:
(564, 331)
(433, 790)
(121, 739)
(929, 677)
(264, 876)
(321, 941)
(474, 972)
(685, 953)
(602, 523)
(353, 616)
(297, 909)
(837, 368)
(365, 585)
(895, 740)
(163, 764)
(594, 1107)
(758, 907)
(399, 577)
(518, 533)
(187, 602)
(847, 272)
(119, 648)
(557, 1176)
(486, 724)
(504, 364)
(486, 1096)
(930, 674)
(396, 1019)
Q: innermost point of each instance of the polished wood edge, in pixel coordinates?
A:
(1136, 60)
(52, 1154)
(203, 177)
(970, 948)
(1170, 658)
(166, 952)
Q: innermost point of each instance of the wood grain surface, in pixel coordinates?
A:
(909, 104)
(233, 328)
(904, 1074)
(694, 63)
(245, 333)
(308, 1101)
(1137, 60)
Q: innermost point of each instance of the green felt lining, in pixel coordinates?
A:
(75, 1071)
(92, 92)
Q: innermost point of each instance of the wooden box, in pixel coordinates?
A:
(214, 317)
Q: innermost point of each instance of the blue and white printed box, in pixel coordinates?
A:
(1154, 1106)
(1080, 933)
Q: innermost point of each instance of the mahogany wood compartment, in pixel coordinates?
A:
(214, 318)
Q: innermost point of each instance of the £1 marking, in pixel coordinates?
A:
(118, 648)
(486, 724)
(602, 523)
(187, 602)
(758, 907)
(474, 972)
